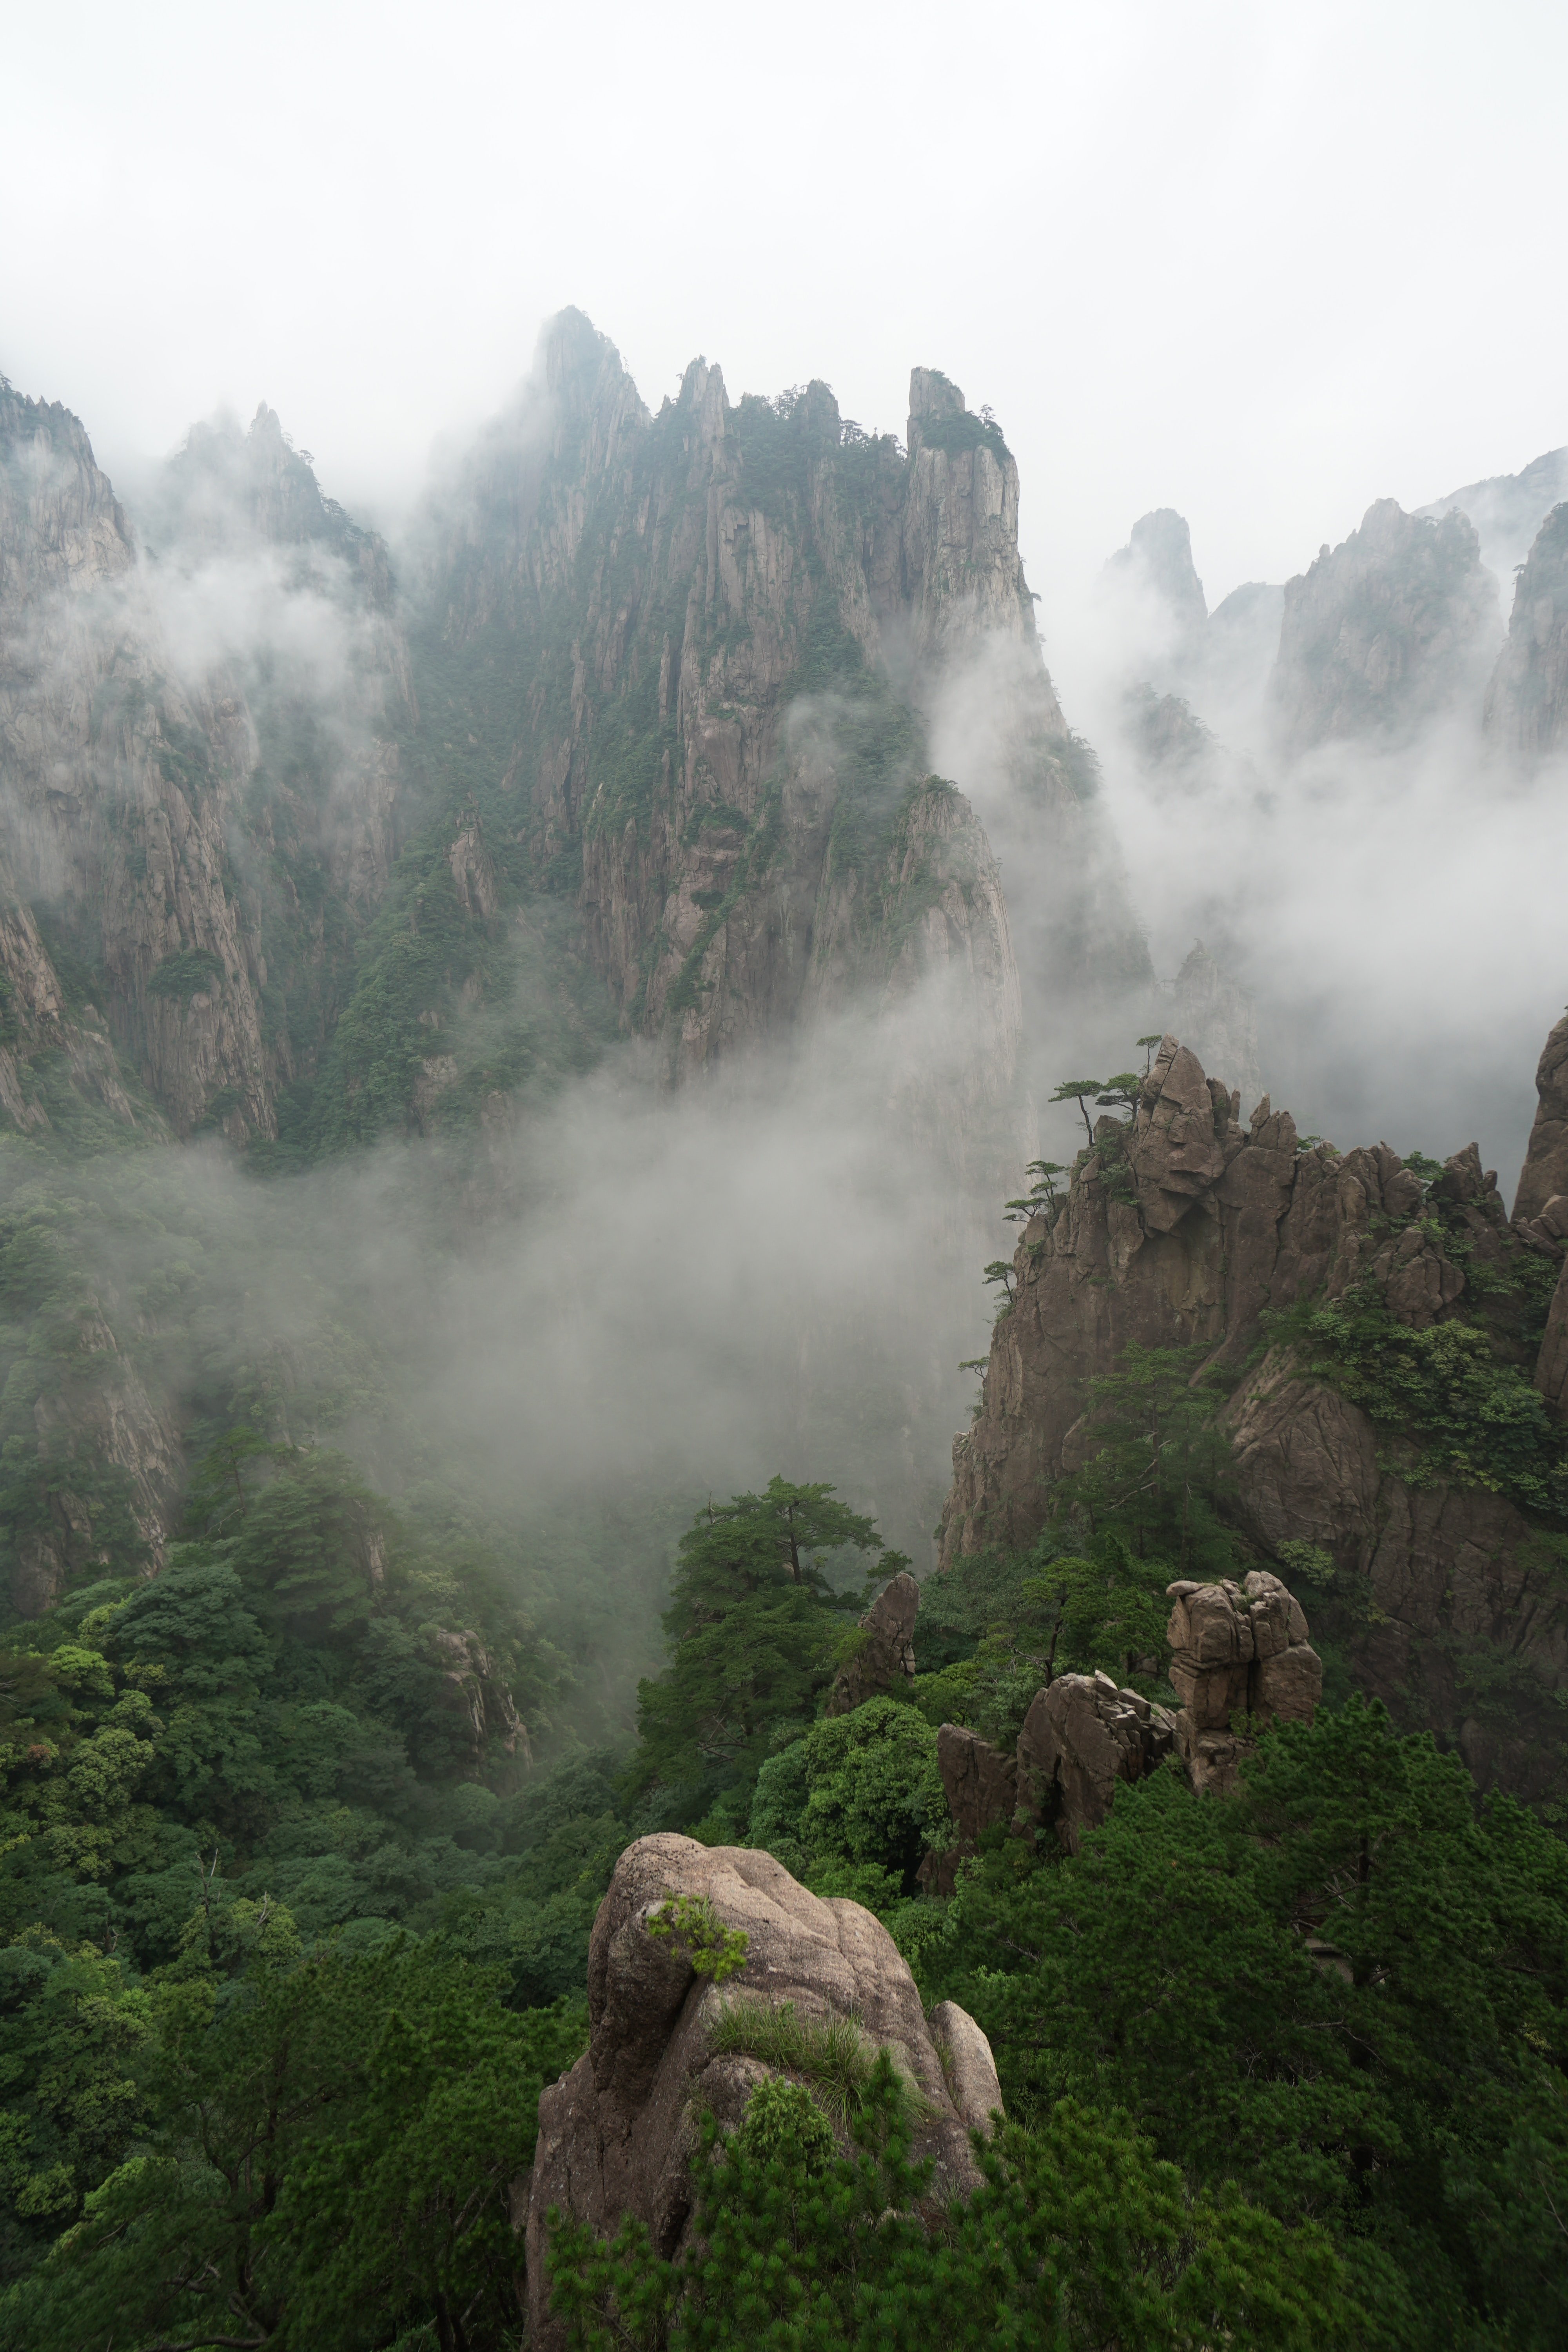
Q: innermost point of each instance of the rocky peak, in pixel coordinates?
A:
(933, 397)
(1527, 700)
(60, 524)
(1508, 509)
(1158, 558)
(697, 593)
(1383, 632)
(1179, 1227)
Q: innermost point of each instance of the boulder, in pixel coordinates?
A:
(1082, 1735)
(1239, 1651)
(884, 1661)
(616, 2133)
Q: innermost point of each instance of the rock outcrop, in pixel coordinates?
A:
(1545, 1170)
(1397, 623)
(1239, 1651)
(1082, 1735)
(1180, 1227)
(884, 1661)
(616, 2133)
(1527, 700)
(1236, 1650)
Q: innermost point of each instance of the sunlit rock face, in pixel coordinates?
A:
(1180, 1228)
(1391, 629)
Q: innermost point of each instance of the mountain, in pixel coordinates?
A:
(749, 631)
(1363, 1320)
(1385, 632)
(201, 766)
(1508, 509)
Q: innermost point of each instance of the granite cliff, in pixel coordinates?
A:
(192, 815)
(1527, 700)
(1385, 632)
(718, 644)
(1187, 1228)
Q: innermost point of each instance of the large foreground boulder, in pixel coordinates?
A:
(616, 2134)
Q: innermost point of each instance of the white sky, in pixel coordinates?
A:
(1263, 263)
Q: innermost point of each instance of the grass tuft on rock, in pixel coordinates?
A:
(834, 2055)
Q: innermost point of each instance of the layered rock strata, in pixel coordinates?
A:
(616, 2134)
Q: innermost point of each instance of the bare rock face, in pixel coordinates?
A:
(1180, 1227)
(698, 589)
(616, 2133)
(1545, 1170)
(981, 1784)
(1396, 624)
(1237, 1650)
(479, 1698)
(1082, 1735)
(886, 1659)
(1527, 700)
(150, 800)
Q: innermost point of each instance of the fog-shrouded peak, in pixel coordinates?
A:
(1380, 634)
(1508, 509)
(1159, 556)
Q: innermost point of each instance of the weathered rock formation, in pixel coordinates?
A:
(1396, 624)
(1237, 1650)
(1179, 1229)
(981, 1783)
(738, 620)
(884, 1661)
(616, 2133)
(1527, 700)
(191, 749)
(1082, 1735)
(1545, 1170)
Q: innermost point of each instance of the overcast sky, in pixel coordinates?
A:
(1258, 262)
